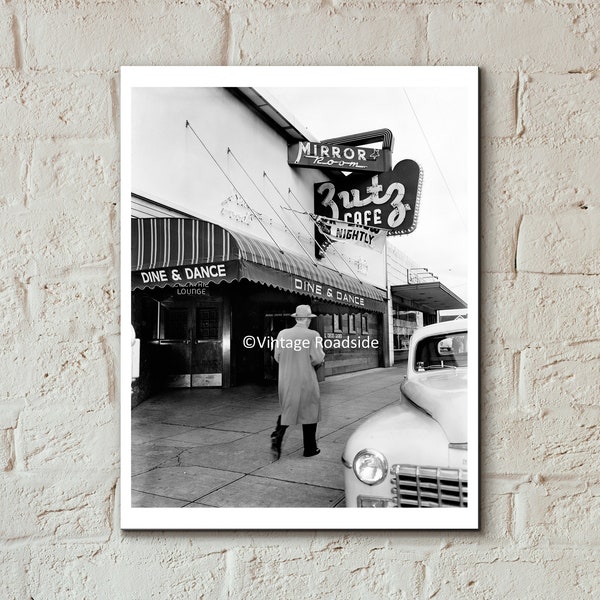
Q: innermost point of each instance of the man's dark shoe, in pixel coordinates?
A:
(276, 440)
(309, 454)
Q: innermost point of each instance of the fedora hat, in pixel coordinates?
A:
(303, 311)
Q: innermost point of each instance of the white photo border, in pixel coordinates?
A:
(300, 518)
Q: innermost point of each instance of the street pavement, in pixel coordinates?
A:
(211, 447)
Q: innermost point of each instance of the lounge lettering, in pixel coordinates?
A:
(185, 291)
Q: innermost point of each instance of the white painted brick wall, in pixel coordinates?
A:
(7, 48)
(328, 36)
(504, 36)
(103, 37)
(536, 177)
(59, 535)
(562, 106)
(13, 166)
(34, 105)
(563, 243)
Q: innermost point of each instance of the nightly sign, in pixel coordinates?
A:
(336, 231)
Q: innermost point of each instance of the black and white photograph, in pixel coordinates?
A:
(299, 298)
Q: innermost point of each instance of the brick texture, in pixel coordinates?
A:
(568, 243)
(539, 177)
(508, 35)
(13, 166)
(55, 105)
(59, 292)
(562, 106)
(8, 35)
(328, 37)
(98, 37)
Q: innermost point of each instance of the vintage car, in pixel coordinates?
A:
(414, 452)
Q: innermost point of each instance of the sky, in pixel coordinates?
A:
(429, 127)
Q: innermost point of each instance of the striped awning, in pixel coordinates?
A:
(184, 252)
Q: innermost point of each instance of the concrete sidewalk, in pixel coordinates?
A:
(211, 447)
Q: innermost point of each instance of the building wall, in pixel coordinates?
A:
(59, 436)
(399, 265)
(231, 168)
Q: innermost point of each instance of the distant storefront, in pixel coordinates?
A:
(416, 298)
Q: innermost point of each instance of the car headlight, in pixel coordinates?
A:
(370, 466)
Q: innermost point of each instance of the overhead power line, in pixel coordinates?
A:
(460, 215)
(254, 213)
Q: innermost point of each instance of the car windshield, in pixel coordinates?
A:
(441, 352)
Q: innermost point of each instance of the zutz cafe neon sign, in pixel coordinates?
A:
(388, 200)
(373, 194)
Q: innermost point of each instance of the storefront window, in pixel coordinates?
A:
(175, 323)
(404, 323)
(352, 323)
(364, 319)
(337, 324)
(207, 324)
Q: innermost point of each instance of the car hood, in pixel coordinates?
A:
(443, 394)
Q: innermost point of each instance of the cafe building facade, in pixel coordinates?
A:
(224, 243)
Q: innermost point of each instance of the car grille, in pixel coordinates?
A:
(429, 486)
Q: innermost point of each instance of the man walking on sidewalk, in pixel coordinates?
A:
(299, 350)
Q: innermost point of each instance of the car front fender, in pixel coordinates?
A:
(404, 434)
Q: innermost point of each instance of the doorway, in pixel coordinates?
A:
(191, 344)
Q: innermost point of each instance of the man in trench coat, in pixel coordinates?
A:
(299, 350)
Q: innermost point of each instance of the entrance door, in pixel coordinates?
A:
(191, 344)
(207, 346)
